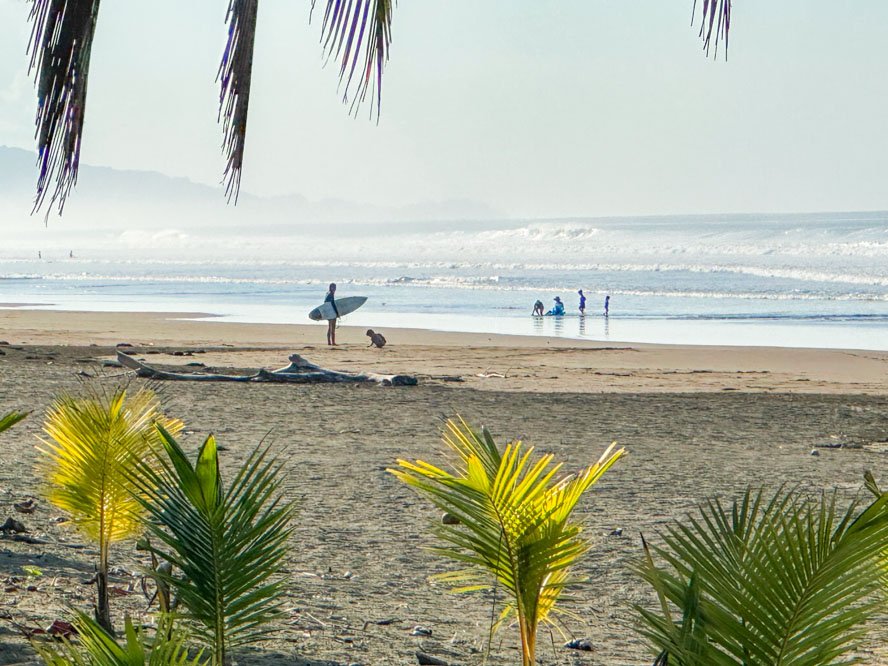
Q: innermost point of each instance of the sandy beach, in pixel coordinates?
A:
(697, 422)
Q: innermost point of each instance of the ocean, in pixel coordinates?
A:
(802, 280)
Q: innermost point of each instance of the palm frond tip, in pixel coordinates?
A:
(235, 77)
(358, 32)
(60, 47)
(716, 18)
(10, 419)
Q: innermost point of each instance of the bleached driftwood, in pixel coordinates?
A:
(299, 371)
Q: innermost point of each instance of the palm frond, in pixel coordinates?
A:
(514, 520)
(787, 581)
(61, 42)
(716, 19)
(358, 32)
(97, 647)
(10, 419)
(228, 543)
(92, 441)
(235, 75)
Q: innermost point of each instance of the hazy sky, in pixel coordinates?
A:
(557, 108)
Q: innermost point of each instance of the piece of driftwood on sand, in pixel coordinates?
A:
(299, 371)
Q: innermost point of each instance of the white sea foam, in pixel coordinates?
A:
(828, 268)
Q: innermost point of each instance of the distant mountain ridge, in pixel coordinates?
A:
(105, 192)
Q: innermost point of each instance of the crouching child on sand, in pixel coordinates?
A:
(376, 339)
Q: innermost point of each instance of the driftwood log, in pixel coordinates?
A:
(299, 371)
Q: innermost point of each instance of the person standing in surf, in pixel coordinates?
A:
(607, 304)
(582, 302)
(331, 323)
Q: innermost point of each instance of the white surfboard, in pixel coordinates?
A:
(344, 306)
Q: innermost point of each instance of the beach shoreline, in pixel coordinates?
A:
(485, 361)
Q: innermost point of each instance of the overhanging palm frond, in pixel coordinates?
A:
(235, 75)
(716, 18)
(228, 543)
(513, 521)
(358, 32)
(92, 442)
(61, 42)
(791, 580)
(97, 647)
(10, 419)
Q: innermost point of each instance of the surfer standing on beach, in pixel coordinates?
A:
(331, 323)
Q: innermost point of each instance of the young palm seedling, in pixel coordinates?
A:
(228, 543)
(93, 441)
(783, 580)
(509, 517)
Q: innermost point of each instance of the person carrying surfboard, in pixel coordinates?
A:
(331, 323)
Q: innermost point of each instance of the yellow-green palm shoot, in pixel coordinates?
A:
(93, 442)
(511, 517)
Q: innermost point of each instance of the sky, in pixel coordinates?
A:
(539, 109)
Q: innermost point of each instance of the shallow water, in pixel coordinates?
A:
(792, 280)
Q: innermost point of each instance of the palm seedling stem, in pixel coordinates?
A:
(103, 610)
(528, 643)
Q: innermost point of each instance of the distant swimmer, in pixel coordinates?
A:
(582, 302)
(607, 300)
(558, 309)
(376, 339)
(39, 254)
(71, 254)
(538, 309)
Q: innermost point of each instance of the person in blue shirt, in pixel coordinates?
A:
(558, 309)
(582, 302)
(331, 323)
(607, 302)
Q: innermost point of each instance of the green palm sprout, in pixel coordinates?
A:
(92, 443)
(228, 543)
(790, 580)
(510, 517)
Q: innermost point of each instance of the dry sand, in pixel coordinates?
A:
(697, 422)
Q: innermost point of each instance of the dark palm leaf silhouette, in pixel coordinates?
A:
(356, 33)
